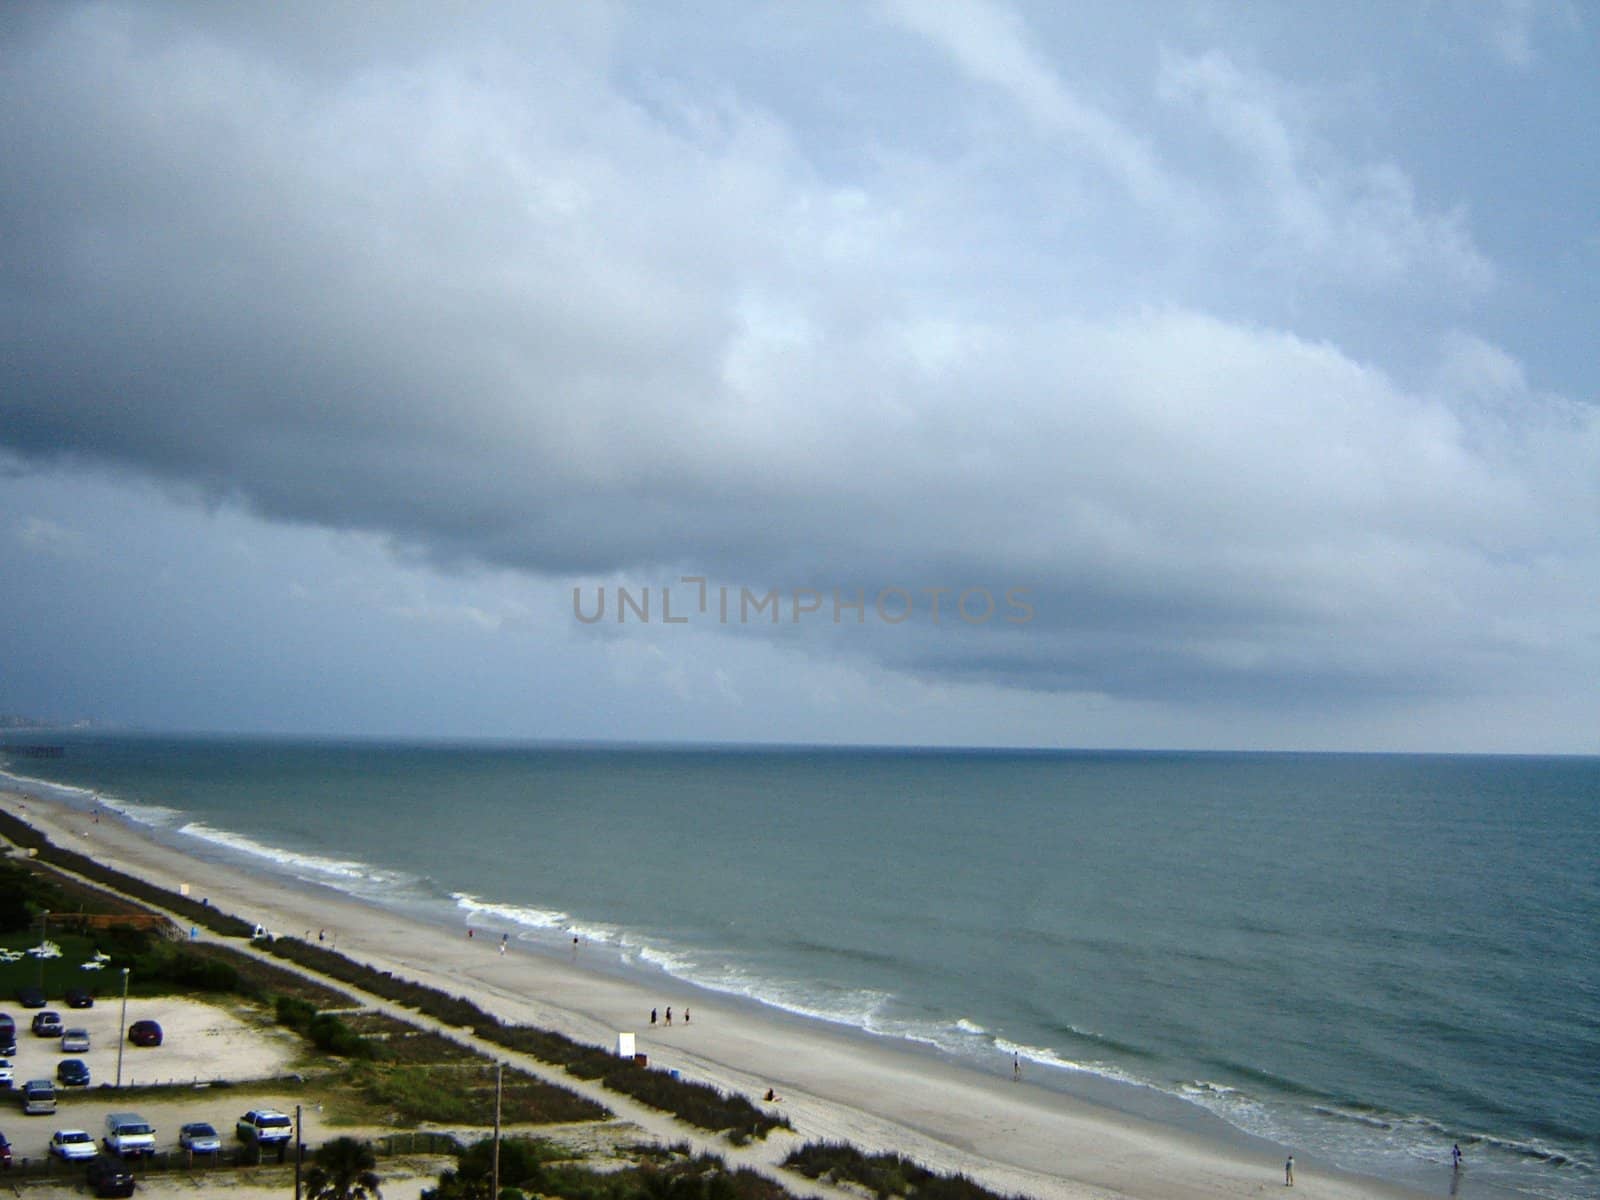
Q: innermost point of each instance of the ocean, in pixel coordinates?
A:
(1364, 958)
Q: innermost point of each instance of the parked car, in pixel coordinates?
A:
(7, 1078)
(73, 1072)
(47, 1023)
(145, 1033)
(128, 1135)
(38, 1096)
(108, 1177)
(264, 1127)
(78, 998)
(72, 1145)
(8, 1047)
(75, 1040)
(197, 1137)
(31, 997)
(5, 1151)
(8, 1028)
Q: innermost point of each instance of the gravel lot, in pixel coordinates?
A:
(202, 1044)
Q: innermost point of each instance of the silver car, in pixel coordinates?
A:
(75, 1041)
(69, 1145)
(198, 1137)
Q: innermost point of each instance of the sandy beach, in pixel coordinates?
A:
(1012, 1137)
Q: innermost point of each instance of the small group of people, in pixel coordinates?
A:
(1288, 1167)
(505, 938)
(668, 1020)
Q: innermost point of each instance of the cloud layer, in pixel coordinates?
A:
(509, 295)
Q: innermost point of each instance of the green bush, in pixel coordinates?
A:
(332, 1036)
(16, 892)
(531, 1167)
(885, 1175)
(464, 1094)
(294, 1012)
(172, 964)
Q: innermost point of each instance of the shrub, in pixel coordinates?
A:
(332, 1036)
(885, 1175)
(294, 1012)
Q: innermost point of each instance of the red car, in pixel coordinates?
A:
(144, 1033)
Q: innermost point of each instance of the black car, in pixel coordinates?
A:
(31, 997)
(145, 1033)
(108, 1177)
(73, 1072)
(78, 998)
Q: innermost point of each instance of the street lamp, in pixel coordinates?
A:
(122, 1032)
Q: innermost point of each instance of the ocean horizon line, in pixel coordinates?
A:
(78, 732)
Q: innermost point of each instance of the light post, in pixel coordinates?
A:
(122, 1032)
(494, 1186)
(44, 919)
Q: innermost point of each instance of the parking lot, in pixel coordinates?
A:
(202, 1045)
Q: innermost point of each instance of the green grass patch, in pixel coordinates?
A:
(55, 975)
(463, 1094)
(884, 1175)
(421, 1046)
(529, 1167)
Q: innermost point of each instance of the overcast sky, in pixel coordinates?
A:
(1250, 348)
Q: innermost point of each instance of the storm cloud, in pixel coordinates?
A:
(926, 306)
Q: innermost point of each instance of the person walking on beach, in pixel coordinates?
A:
(669, 1014)
(1016, 1068)
(686, 1016)
(652, 1016)
(1455, 1157)
(1288, 1172)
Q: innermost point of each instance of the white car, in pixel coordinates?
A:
(75, 1041)
(71, 1145)
(7, 1079)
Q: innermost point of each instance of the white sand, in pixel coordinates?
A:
(1011, 1137)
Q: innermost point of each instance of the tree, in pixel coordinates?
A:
(343, 1169)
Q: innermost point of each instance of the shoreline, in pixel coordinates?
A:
(836, 1084)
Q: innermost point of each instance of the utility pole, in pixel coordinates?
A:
(494, 1191)
(299, 1152)
(122, 1032)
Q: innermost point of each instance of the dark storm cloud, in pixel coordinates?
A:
(465, 286)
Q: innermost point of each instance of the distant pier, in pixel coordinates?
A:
(27, 751)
